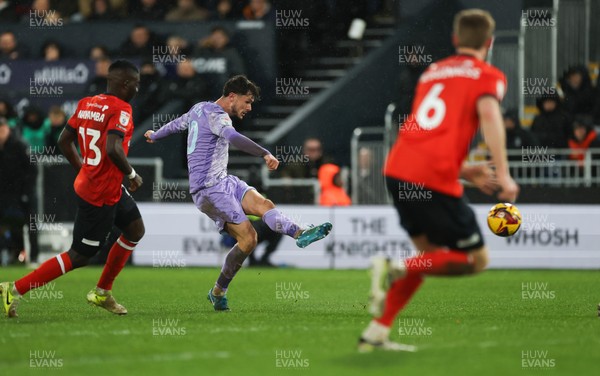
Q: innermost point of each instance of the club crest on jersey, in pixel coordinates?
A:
(124, 119)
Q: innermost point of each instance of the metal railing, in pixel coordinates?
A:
(368, 158)
(268, 182)
(573, 33)
(136, 162)
(553, 167)
(549, 41)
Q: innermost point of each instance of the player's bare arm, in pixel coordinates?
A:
(490, 119)
(114, 150)
(66, 143)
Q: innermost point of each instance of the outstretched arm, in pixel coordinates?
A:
(247, 145)
(175, 126)
(243, 143)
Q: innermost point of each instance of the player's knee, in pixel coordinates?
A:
(138, 234)
(248, 242)
(77, 260)
(135, 231)
(268, 205)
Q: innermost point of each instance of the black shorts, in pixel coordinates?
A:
(94, 223)
(447, 221)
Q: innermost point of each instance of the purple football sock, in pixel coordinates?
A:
(233, 262)
(278, 222)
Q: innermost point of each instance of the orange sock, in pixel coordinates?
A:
(398, 296)
(117, 258)
(440, 262)
(48, 271)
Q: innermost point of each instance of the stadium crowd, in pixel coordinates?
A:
(566, 117)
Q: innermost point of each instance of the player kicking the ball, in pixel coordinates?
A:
(104, 126)
(225, 198)
(453, 97)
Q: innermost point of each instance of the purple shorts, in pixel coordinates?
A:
(223, 201)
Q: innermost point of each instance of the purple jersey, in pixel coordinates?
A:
(207, 148)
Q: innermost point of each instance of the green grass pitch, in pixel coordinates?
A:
(290, 322)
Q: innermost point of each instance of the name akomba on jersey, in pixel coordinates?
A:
(90, 115)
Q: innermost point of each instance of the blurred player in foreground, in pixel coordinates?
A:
(454, 96)
(225, 198)
(104, 126)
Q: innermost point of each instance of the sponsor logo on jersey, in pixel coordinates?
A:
(96, 105)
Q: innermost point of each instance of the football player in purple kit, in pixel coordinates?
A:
(225, 198)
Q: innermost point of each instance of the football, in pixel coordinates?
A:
(504, 219)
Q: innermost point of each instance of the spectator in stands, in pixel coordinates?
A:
(38, 9)
(313, 150)
(224, 11)
(58, 119)
(259, 10)
(332, 191)
(367, 176)
(179, 46)
(516, 136)
(551, 126)
(35, 128)
(596, 110)
(102, 11)
(177, 49)
(98, 84)
(216, 47)
(151, 94)
(187, 10)
(65, 9)
(8, 112)
(148, 10)
(583, 137)
(578, 91)
(188, 86)
(99, 52)
(17, 175)
(88, 7)
(52, 51)
(41, 14)
(7, 12)
(9, 47)
(140, 43)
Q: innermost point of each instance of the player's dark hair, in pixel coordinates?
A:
(123, 65)
(473, 28)
(241, 85)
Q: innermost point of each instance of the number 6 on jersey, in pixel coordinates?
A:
(432, 109)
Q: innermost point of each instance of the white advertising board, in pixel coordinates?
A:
(551, 236)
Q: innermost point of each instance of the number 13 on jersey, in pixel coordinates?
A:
(91, 146)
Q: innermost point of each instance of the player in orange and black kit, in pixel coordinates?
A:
(454, 97)
(103, 126)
